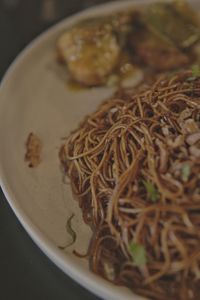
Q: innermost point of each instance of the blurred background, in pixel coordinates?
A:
(25, 272)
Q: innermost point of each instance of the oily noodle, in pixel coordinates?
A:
(149, 136)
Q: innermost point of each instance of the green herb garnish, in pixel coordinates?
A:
(195, 73)
(71, 232)
(152, 192)
(138, 254)
(185, 172)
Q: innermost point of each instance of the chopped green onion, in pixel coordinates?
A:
(196, 71)
(71, 232)
(151, 191)
(138, 254)
(186, 172)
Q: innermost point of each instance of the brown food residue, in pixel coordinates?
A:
(33, 150)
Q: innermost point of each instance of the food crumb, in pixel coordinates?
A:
(33, 150)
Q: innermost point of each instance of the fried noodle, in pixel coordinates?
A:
(149, 135)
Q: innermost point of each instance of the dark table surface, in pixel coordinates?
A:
(25, 272)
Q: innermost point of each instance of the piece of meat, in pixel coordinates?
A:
(91, 52)
(33, 150)
(157, 54)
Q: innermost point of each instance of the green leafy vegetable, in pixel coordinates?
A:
(178, 25)
(185, 172)
(138, 253)
(71, 232)
(151, 191)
